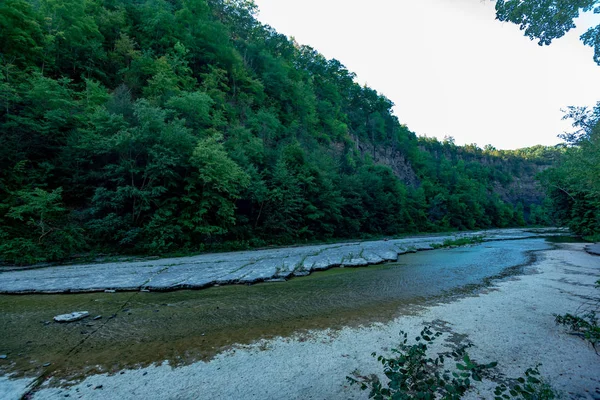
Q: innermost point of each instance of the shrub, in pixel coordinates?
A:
(412, 374)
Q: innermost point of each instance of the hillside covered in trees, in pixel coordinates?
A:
(161, 126)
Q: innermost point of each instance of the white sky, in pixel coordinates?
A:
(449, 66)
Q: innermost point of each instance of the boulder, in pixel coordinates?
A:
(74, 316)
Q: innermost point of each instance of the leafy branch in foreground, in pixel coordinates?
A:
(412, 374)
(585, 324)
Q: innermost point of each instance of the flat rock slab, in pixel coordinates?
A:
(230, 268)
(593, 249)
(72, 317)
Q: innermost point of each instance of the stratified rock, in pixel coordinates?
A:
(74, 316)
(205, 270)
(593, 249)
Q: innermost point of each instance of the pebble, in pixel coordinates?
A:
(97, 317)
(46, 365)
(3, 356)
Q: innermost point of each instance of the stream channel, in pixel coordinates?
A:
(139, 328)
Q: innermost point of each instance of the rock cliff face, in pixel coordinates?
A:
(515, 181)
(524, 186)
(390, 157)
(398, 163)
(523, 189)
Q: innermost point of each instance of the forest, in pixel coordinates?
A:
(156, 127)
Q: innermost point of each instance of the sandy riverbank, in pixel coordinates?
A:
(511, 323)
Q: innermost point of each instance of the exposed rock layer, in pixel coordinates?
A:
(228, 268)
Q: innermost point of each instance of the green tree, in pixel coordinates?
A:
(547, 20)
(42, 230)
(210, 190)
(21, 37)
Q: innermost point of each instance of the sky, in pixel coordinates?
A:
(449, 66)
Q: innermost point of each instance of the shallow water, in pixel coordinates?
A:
(182, 326)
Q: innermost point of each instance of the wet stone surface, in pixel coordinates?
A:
(593, 249)
(229, 268)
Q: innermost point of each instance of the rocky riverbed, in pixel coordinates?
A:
(229, 268)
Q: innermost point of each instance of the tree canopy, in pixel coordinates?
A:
(547, 20)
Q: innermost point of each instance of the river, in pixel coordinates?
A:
(183, 326)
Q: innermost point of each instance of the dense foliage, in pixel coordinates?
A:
(155, 126)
